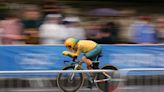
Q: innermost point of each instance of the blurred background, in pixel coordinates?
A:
(104, 21)
(41, 22)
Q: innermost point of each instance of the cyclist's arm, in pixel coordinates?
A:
(74, 54)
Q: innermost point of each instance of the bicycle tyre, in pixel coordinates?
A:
(107, 86)
(72, 86)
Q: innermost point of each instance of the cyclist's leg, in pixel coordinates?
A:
(89, 67)
(88, 58)
(93, 55)
(88, 62)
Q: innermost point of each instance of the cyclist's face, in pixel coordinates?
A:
(69, 47)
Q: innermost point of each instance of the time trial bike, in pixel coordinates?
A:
(72, 82)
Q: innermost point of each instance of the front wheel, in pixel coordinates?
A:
(110, 85)
(70, 82)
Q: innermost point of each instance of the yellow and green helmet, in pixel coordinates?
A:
(70, 43)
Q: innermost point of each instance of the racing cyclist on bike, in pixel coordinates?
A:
(91, 51)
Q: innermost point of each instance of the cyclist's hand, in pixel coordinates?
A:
(65, 53)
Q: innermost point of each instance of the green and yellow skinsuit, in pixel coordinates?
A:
(90, 49)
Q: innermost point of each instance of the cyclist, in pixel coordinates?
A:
(90, 49)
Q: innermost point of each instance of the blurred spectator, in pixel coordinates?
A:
(11, 30)
(160, 30)
(31, 21)
(1, 33)
(93, 31)
(74, 28)
(110, 33)
(143, 31)
(51, 31)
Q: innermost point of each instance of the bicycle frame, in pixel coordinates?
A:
(77, 64)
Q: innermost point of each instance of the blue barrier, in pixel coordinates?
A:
(36, 57)
(50, 57)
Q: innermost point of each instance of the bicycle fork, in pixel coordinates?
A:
(73, 74)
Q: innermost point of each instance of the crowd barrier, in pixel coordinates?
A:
(49, 57)
(126, 82)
